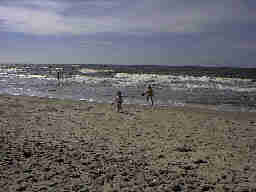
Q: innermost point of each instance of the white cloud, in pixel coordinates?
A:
(38, 4)
(100, 4)
(32, 21)
(43, 22)
(45, 17)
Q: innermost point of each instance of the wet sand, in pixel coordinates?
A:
(64, 145)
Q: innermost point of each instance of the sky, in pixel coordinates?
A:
(136, 32)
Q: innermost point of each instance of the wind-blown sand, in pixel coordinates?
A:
(63, 145)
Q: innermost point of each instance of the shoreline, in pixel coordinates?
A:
(54, 144)
(206, 107)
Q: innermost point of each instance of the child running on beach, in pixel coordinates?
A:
(149, 94)
(118, 100)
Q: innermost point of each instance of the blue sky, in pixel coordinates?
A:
(160, 32)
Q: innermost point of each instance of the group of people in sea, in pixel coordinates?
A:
(118, 100)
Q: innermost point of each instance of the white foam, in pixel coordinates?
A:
(186, 82)
(87, 70)
(88, 79)
(137, 80)
(10, 70)
(238, 89)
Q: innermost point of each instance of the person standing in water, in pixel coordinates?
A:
(149, 94)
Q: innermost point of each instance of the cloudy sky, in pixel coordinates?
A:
(166, 32)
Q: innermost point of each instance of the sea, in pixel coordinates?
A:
(219, 88)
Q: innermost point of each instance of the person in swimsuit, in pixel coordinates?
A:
(118, 101)
(149, 94)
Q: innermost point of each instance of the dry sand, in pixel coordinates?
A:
(63, 145)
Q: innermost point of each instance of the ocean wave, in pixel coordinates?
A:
(160, 81)
(87, 70)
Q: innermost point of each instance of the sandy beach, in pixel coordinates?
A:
(65, 145)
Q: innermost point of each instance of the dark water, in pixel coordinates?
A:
(224, 88)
